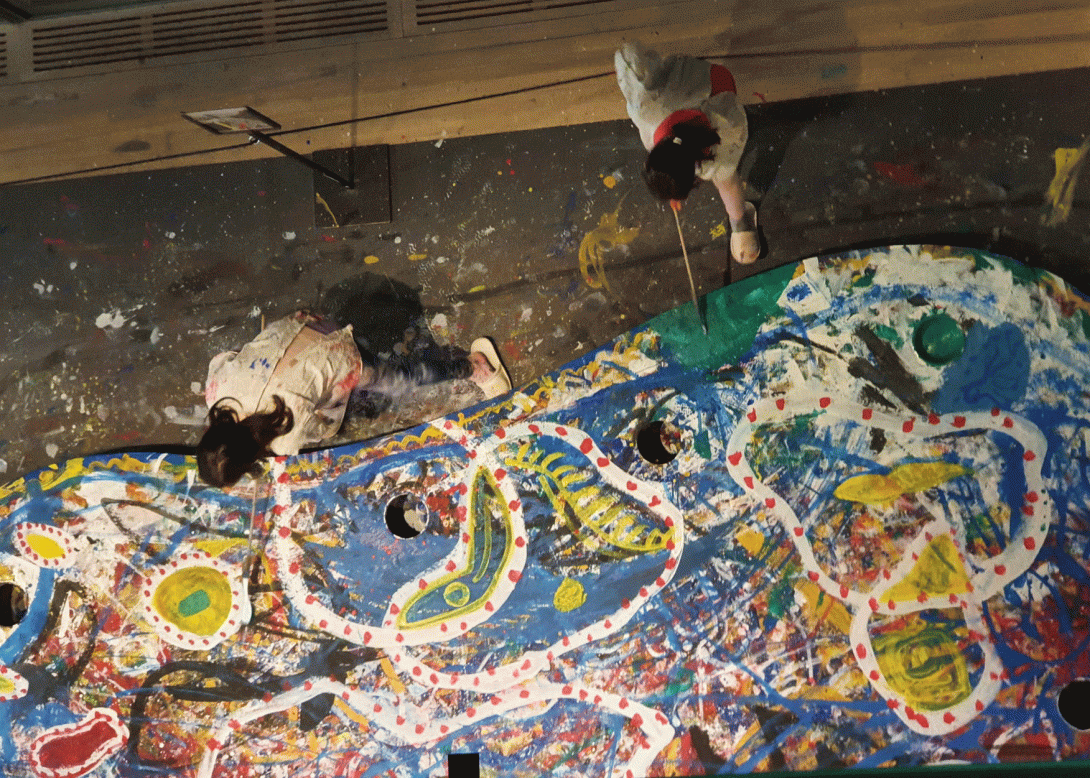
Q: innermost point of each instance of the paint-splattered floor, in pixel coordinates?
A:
(118, 290)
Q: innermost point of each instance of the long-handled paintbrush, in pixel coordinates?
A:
(675, 206)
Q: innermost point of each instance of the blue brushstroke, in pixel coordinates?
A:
(992, 372)
(31, 625)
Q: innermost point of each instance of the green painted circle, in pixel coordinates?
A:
(938, 339)
(456, 594)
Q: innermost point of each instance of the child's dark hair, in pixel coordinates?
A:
(230, 448)
(670, 170)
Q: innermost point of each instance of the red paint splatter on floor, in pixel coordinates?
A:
(905, 175)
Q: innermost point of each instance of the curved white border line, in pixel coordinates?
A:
(1037, 508)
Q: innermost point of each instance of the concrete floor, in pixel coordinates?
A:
(117, 290)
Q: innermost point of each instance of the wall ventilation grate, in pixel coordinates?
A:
(443, 11)
(300, 20)
(65, 43)
(178, 32)
(205, 29)
(436, 15)
(61, 46)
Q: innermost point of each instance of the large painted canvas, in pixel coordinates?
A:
(851, 526)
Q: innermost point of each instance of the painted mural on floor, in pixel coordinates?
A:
(850, 527)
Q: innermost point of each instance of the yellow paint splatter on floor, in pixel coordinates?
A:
(417, 257)
(607, 235)
(1061, 192)
(370, 259)
(321, 201)
(610, 182)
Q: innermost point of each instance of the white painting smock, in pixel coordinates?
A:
(315, 378)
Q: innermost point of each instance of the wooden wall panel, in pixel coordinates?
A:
(520, 77)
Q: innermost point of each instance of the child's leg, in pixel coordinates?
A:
(426, 362)
(730, 190)
(745, 246)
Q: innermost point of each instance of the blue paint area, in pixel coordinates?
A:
(36, 615)
(357, 510)
(992, 372)
(798, 292)
(12, 650)
(41, 510)
(29, 713)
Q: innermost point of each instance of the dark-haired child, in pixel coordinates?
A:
(289, 388)
(693, 126)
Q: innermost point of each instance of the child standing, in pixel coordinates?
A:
(692, 125)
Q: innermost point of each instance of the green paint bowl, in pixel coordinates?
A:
(938, 339)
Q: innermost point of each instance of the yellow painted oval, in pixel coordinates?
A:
(44, 546)
(181, 587)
